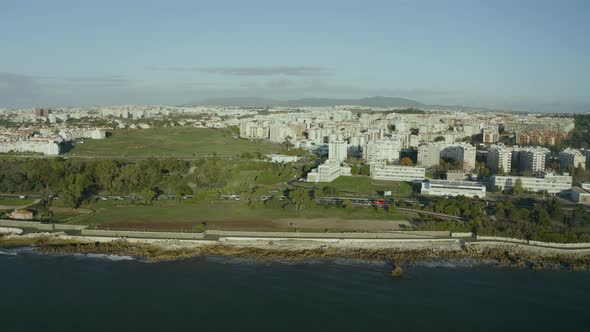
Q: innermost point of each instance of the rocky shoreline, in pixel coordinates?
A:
(400, 252)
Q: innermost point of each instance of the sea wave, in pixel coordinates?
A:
(8, 253)
(115, 258)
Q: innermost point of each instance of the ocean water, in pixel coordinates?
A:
(106, 293)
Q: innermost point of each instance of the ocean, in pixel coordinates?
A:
(102, 293)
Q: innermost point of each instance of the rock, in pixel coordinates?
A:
(397, 271)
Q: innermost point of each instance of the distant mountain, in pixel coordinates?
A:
(239, 101)
(368, 102)
(377, 101)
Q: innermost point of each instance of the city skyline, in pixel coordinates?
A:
(529, 56)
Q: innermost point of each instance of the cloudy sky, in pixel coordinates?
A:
(528, 55)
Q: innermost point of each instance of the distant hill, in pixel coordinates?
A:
(239, 101)
(377, 101)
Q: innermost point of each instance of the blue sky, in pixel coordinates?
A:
(527, 55)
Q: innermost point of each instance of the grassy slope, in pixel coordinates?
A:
(174, 141)
(365, 185)
(188, 214)
(15, 201)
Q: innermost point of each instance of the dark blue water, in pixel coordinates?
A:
(80, 293)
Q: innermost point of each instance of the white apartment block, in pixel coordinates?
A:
(572, 158)
(429, 154)
(453, 188)
(499, 158)
(278, 133)
(338, 151)
(550, 183)
(254, 129)
(381, 171)
(531, 159)
(382, 150)
(464, 153)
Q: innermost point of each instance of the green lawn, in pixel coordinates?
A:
(365, 185)
(172, 141)
(15, 201)
(187, 215)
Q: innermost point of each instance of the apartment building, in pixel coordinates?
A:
(338, 150)
(529, 159)
(572, 158)
(382, 150)
(463, 153)
(499, 159)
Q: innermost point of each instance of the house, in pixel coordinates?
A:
(21, 215)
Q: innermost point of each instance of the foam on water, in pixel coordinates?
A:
(115, 258)
(8, 253)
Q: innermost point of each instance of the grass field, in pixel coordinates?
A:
(15, 201)
(365, 185)
(188, 215)
(172, 141)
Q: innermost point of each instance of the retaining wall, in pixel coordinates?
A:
(10, 230)
(137, 234)
(40, 226)
(299, 235)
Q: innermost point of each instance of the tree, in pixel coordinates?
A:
(406, 161)
(439, 139)
(517, 189)
(105, 172)
(300, 198)
(148, 196)
(330, 191)
(540, 215)
(365, 170)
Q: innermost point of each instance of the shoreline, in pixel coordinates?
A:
(398, 251)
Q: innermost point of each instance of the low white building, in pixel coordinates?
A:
(550, 183)
(453, 188)
(580, 195)
(328, 172)
(282, 158)
(381, 171)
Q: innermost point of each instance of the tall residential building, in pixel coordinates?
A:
(572, 158)
(429, 154)
(337, 150)
(499, 158)
(530, 159)
(382, 150)
(463, 153)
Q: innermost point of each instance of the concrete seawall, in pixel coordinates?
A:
(40, 226)
(306, 235)
(10, 230)
(146, 235)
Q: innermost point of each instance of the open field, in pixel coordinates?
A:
(364, 185)
(172, 141)
(15, 201)
(233, 215)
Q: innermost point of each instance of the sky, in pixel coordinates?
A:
(519, 54)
